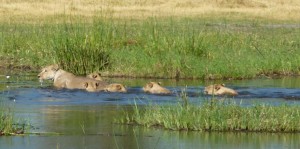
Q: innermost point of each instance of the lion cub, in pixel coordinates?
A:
(155, 88)
(219, 89)
(95, 75)
(115, 87)
(93, 86)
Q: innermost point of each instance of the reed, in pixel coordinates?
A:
(155, 47)
(8, 124)
(79, 50)
(215, 115)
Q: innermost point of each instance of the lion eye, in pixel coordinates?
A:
(45, 70)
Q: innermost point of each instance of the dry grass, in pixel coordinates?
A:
(33, 10)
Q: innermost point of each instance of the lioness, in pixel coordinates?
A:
(95, 75)
(62, 79)
(219, 89)
(155, 88)
(98, 86)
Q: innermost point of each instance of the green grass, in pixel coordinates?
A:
(8, 124)
(156, 47)
(216, 115)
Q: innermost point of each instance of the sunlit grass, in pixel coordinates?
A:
(165, 48)
(31, 11)
(166, 39)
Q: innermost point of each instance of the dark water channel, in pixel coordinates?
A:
(78, 119)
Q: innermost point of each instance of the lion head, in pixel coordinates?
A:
(219, 89)
(155, 88)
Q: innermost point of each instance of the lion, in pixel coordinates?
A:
(92, 86)
(115, 87)
(155, 88)
(95, 86)
(62, 79)
(95, 75)
(219, 89)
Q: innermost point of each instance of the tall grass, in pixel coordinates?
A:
(79, 50)
(218, 116)
(156, 47)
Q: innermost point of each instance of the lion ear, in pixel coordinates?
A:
(55, 67)
(119, 87)
(223, 85)
(86, 84)
(217, 87)
(94, 76)
(159, 83)
(150, 85)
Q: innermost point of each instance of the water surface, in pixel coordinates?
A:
(78, 119)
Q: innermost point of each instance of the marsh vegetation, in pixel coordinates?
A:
(165, 39)
(8, 124)
(216, 115)
(166, 48)
(218, 39)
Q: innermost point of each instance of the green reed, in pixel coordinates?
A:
(216, 115)
(155, 47)
(80, 51)
(8, 124)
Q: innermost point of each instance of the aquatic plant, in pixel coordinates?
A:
(8, 125)
(216, 115)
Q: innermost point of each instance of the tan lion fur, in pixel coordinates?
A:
(95, 75)
(219, 89)
(63, 79)
(155, 88)
(98, 86)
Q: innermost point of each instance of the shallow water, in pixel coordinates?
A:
(78, 119)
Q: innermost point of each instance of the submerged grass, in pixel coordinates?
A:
(155, 47)
(218, 115)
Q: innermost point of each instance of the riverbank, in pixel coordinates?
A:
(167, 48)
(218, 116)
(227, 41)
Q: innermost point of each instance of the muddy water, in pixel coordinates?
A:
(77, 119)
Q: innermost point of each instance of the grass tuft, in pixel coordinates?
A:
(8, 125)
(216, 115)
(80, 51)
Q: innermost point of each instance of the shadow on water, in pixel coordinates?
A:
(78, 119)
